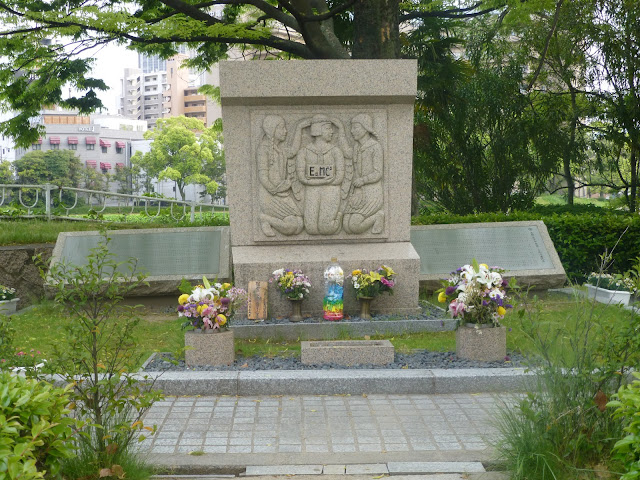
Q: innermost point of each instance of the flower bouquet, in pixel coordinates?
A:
(8, 300)
(617, 283)
(7, 293)
(373, 283)
(293, 284)
(210, 306)
(476, 294)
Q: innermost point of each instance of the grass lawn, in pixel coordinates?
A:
(45, 324)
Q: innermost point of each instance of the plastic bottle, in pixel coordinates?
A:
(333, 304)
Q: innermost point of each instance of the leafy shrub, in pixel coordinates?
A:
(628, 410)
(561, 427)
(36, 432)
(578, 238)
(98, 358)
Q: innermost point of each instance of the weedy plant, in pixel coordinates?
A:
(98, 359)
(627, 409)
(562, 428)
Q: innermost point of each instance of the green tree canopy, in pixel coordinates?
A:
(178, 154)
(36, 72)
(58, 167)
(6, 172)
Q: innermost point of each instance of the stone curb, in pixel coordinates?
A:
(340, 382)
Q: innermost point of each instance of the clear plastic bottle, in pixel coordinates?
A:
(333, 304)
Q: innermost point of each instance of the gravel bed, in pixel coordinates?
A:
(417, 360)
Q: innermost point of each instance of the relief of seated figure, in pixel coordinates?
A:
(365, 201)
(278, 209)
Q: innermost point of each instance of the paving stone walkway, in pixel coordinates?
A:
(340, 429)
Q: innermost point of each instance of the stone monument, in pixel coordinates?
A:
(319, 163)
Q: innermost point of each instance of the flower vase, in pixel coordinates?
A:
(485, 343)
(209, 347)
(9, 307)
(365, 307)
(296, 310)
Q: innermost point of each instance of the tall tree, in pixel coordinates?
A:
(33, 71)
(178, 155)
(614, 30)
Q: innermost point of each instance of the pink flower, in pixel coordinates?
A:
(456, 307)
(388, 283)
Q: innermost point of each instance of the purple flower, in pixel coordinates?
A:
(484, 303)
(180, 308)
(225, 301)
(450, 290)
(508, 305)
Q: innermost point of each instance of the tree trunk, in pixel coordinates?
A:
(319, 37)
(633, 163)
(376, 31)
(570, 153)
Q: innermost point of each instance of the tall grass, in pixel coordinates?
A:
(561, 428)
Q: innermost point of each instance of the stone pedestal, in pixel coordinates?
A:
(258, 262)
(319, 165)
(481, 344)
(9, 307)
(209, 348)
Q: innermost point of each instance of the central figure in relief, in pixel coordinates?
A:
(320, 168)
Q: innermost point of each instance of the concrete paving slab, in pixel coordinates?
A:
(367, 469)
(257, 470)
(334, 469)
(407, 468)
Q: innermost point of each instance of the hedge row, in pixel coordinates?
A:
(580, 235)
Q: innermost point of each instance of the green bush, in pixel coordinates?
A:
(36, 432)
(579, 234)
(561, 428)
(628, 409)
(97, 355)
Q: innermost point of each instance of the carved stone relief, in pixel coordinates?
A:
(316, 178)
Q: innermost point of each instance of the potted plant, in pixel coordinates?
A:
(8, 300)
(294, 286)
(607, 288)
(368, 285)
(208, 309)
(477, 298)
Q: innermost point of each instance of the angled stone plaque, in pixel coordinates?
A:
(165, 255)
(524, 249)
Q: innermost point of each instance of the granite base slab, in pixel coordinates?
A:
(258, 262)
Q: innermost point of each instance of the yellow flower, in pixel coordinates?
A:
(221, 320)
(501, 311)
(388, 271)
(356, 272)
(375, 276)
(484, 265)
(226, 286)
(184, 298)
(442, 297)
(199, 308)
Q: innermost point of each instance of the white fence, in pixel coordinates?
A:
(99, 200)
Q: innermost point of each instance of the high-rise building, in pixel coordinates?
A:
(149, 95)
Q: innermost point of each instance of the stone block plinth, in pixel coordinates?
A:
(481, 344)
(209, 347)
(259, 262)
(347, 352)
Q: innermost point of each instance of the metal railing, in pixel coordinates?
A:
(99, 199)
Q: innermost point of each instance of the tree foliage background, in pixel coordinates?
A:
(515, 96)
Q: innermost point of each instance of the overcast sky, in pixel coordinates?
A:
(109, 66)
